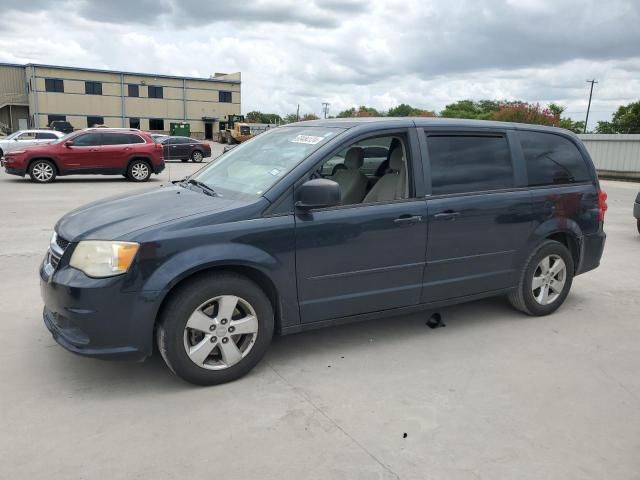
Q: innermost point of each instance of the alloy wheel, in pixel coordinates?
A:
(220, 332)
(549, 279)
(140, 171)
(197, 157)
(43, 172)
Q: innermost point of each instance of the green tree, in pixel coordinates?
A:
(361, 111)
(259, 117)
(482, 109)
(404, 110)
(290, 118)
(309, 116)
(625, 120)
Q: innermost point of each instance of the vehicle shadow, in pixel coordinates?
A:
(105, 179)
(152, 375)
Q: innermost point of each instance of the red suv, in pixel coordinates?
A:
(103, 151)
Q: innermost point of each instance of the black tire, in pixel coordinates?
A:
(182, 304)
(638, 225)
(139, 171)
(523, 299)
(1, 153)
(197, 156)
(184, 160)
(42, 171)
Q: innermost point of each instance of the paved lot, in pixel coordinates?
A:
(494, 395)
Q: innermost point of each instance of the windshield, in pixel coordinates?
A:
(65, 137)
(256, 165)
(13, 135)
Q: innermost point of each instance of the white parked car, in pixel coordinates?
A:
(26, 138)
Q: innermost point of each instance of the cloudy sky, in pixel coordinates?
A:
(350, 52)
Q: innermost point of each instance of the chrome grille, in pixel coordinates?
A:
(57, 246)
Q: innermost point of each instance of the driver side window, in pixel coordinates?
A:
(370, 171)
(87, 140)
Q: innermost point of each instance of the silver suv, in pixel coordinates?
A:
(26, 138)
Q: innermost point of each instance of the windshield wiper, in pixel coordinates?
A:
(203, 186)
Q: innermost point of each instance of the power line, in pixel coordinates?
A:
(586, 120)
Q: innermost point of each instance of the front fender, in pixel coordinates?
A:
(280, 272)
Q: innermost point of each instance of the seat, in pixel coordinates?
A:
(353, 183)
(393, 184)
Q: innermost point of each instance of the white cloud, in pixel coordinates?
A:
(378, 53)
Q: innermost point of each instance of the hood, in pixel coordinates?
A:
(30, 148)
(112, 218)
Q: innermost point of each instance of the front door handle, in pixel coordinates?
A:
(446, 215)
(408, 219)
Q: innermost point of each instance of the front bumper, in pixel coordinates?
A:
(636, 209)
(12, 167)
(97, 317)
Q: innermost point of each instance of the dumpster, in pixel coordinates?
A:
(181, 129)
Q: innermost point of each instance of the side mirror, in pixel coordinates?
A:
(68, 143)
(318, 193)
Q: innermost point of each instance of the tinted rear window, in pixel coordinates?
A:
(120, 139)
(552, 159)
(461, 163)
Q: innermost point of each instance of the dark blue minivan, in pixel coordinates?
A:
(322, 222)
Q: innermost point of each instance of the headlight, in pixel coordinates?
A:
(103, 259)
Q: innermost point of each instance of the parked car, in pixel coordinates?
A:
(61, 126)
(263, 241)
(185, 149)
(102, 151)
(636, 211)
(26, 138)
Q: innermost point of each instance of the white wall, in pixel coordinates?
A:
(614, 153)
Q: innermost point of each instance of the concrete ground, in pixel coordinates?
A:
(494, 395)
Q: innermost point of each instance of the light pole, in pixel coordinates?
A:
(325, 108)
(586, 120)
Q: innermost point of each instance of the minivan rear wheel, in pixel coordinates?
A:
(545, 281)
(215, 328)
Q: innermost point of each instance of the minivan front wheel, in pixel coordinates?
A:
(545, 281)
(215, 328)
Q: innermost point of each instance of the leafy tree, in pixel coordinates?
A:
(259, 117)
(625, 120)
(404, 110)
(309, 116)
(290, 118)
(482, 109)
(523, 112)
(362, 111)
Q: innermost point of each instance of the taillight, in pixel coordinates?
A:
(602, 205)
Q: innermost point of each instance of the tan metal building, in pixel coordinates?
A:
(34, 95)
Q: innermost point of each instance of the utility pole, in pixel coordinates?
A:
(298, 113)
(586, 120)
(325, 108)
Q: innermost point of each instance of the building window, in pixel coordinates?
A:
(155, 92)
(56, 118)
(134, 91)
(134, 122)
(224, 96)
(156, 124)
(53, 85)
(93, 88)
(93, 121)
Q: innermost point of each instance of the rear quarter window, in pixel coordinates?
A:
(552, 159)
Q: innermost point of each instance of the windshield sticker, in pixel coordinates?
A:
(309, 139)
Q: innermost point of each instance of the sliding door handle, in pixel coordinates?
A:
(408, 219)
(446, 215)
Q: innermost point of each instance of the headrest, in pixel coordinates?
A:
(396, 159)
(354, 158)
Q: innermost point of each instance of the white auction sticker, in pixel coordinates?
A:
(311, 140)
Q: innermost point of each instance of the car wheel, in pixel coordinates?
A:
(1, 153)
(184, 160)
(139, 171)
(42, 171)
(638, 225)
(196, 156)
(215, 328)
(545, 281)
